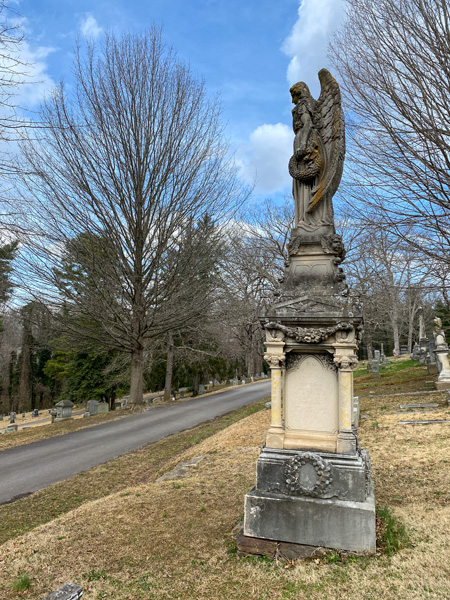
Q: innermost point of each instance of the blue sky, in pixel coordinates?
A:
(250, 51)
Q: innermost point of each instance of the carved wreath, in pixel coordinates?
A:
(309, 335)
(292, 469)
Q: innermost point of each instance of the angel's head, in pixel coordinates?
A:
(299, 91)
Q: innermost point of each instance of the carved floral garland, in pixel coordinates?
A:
(292, 470)
(309, 335)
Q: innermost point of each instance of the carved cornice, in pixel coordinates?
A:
(309, 335)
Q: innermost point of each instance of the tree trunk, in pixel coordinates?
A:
(169, 369)
(137, 377)
(410, 334)
(195, 385)
(369, 345)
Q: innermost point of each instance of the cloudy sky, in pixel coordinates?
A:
(250, 51)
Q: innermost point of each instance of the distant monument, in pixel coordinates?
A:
(313, 484)
(441, 353)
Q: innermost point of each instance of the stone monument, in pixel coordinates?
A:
(313, 482)
(441, 353)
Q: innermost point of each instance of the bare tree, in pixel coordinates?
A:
(118, 191)
(391, 280)
(394, 62)
(255, 261)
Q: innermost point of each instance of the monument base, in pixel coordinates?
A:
(315, 522)
(275, 549)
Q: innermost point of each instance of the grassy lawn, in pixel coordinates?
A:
(123, 536)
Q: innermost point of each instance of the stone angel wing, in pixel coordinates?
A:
(331, 127)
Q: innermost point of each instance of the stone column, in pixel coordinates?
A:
(276, 359)
(346, 443)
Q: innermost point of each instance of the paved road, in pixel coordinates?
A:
(29, 468)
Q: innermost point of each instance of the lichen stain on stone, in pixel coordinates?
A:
(317, 195)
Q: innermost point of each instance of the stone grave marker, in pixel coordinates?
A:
(201, 389)
(313, 480)
(102, 408)
(69, 591)
(63, 410)
(424, 422)
(419, 405)
(373, 367)
(91, 408)
(377, 356)
(441, 353)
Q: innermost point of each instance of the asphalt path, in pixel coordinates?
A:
(26, 469)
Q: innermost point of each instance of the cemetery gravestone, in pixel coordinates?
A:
(63, 410)
(374, 368)
(377, 356)
(313, 483)
(441, 353)
(102, 408)
(91, 408)
(201, 389)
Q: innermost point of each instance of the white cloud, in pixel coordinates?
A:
(308, 42)
(89, 26)
(38, 82)
(25, 67)
(264, 159)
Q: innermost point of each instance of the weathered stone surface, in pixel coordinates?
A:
(63, 410)
(183, 469)
(329, 523)
(424, 422)
(319, 149)
(431, 405)
(345, 477)
(275, 549)
(69, 591)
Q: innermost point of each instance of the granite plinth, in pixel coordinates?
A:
(328, 523)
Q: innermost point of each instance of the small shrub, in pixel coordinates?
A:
(22, 583)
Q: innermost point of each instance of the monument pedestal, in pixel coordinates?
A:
(313, 484)
(312, 499)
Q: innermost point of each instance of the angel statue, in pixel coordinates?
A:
(319, 149)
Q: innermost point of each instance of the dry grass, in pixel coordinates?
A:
(172, 539)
